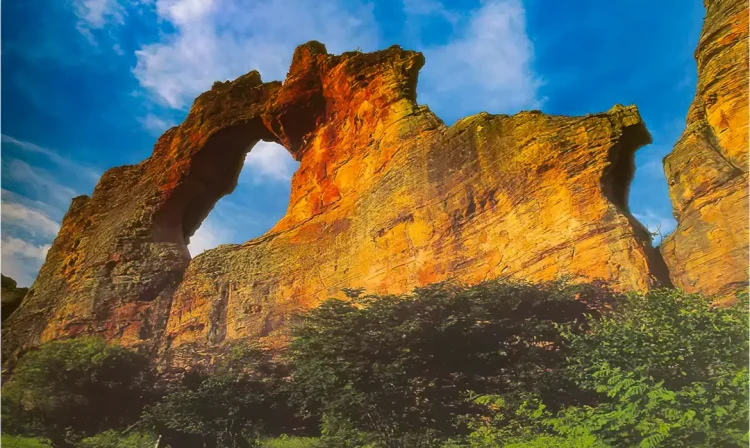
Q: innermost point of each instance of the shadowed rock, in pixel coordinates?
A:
(12, 296)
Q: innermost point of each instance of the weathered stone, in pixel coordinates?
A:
(386, 197)
(708, 167)
(11, 296)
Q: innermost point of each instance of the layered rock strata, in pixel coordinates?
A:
(387, 197)
(707, 170)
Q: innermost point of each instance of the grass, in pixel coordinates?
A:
(8, 441)
(290, 442)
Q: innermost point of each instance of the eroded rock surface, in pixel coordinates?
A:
(708, 168)
(387, 197)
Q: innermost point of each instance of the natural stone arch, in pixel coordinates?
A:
(121, 252)
(387, 197)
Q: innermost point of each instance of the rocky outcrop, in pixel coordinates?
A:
(387, 197)
(708, 168)
(11, 296)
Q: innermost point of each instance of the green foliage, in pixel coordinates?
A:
(498, 364)
(290, 442)
(115, 439)
(399, 367)
(68, 389)
(237, 402)
(667, 369)
(9, 441)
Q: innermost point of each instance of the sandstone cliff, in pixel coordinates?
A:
(708, 168)
(387, 197)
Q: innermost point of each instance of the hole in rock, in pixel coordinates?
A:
(649, 192)
(259, 200)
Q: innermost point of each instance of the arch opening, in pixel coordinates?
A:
(247, 207)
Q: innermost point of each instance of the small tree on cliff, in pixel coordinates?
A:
(68, 389)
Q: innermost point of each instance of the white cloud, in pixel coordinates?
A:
(155, 124)
(29, 224)
(216, 40)
(21, 260)
(24, 249)
(41, 182)
(28, 219)
(655, 223)
(429, 8)
(43, 207)
(208, 236)
(184, 11)
(54, 157)
(97, 15)
(487, 66)
(270, 161)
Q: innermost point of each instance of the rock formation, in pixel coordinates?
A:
(387, 197)
(708, 168)
(11, 296)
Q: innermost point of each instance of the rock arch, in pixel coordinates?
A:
(386, 197)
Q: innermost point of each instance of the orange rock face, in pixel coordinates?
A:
(708, 168)
(387, 197)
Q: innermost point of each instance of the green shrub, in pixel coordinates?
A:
(290, 442)
(9, 441)
(115, 439)
(68, 389)
(238, 402)
(399, 367)
(667, 369)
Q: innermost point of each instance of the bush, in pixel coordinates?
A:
(290, 442)
(400, 367)
(236, 403)
(9, 441)
(116, 439)
(668, 369)
(68, 389)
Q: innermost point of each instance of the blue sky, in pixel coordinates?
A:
(90, 84)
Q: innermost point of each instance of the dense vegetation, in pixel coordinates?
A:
(497, 364)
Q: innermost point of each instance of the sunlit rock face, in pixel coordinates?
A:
(387, 197)
(708, 167)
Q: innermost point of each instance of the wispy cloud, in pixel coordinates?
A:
(27, 233)
(216, 40)
(208, 236)
(41, 182)
(156, 125)
(46, 209)
(31, 214)
(54, 157)
(427, 9)
(96, 14)
(21, 259)
(270, 161)
(487, 65)
(30, 220)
